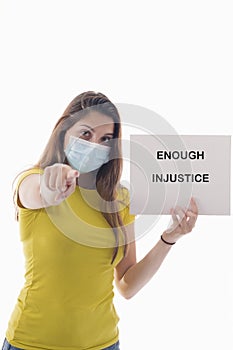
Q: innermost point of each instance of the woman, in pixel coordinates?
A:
(78, 235)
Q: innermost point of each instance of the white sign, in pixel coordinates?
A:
(167, 170)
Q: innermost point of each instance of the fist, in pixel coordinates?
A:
(57, 183)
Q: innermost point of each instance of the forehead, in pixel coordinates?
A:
(96, 119)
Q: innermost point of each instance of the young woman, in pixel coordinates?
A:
(78, 235)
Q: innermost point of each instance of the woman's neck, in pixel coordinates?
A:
(87, 180)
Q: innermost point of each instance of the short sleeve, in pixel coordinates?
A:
(20, 178)
(128, 218)
(124, 202)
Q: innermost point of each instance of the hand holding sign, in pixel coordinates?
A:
(183, 222)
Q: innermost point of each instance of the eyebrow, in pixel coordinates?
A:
(108, 133)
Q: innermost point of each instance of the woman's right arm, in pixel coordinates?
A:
(56, 183)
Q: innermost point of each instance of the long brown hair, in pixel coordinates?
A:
(108, 176)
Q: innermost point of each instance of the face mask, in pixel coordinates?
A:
(86, 156)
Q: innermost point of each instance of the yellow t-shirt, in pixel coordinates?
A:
(67, 299)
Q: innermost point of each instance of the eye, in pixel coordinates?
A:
(85, 134)
(106, 139)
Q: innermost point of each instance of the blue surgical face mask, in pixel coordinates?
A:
(86, 156)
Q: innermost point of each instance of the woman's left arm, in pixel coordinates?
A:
(130, 275)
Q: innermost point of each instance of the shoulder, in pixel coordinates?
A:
(19, 179)
(23, 174)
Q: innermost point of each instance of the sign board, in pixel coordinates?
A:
(167, 170)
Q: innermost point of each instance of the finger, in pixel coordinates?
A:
(191, 224)
(66, 193)
(71, 176)
(70, 190)
(174, 218)
(64, 178)
(183, 219)
(60, 183)
(173, 214)
(180, 214)
(192, 220)
(193, 205)
(51, 181)
(190, 213)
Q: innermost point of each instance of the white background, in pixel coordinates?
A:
(174, 57)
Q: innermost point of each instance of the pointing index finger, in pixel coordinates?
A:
(72, 175)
